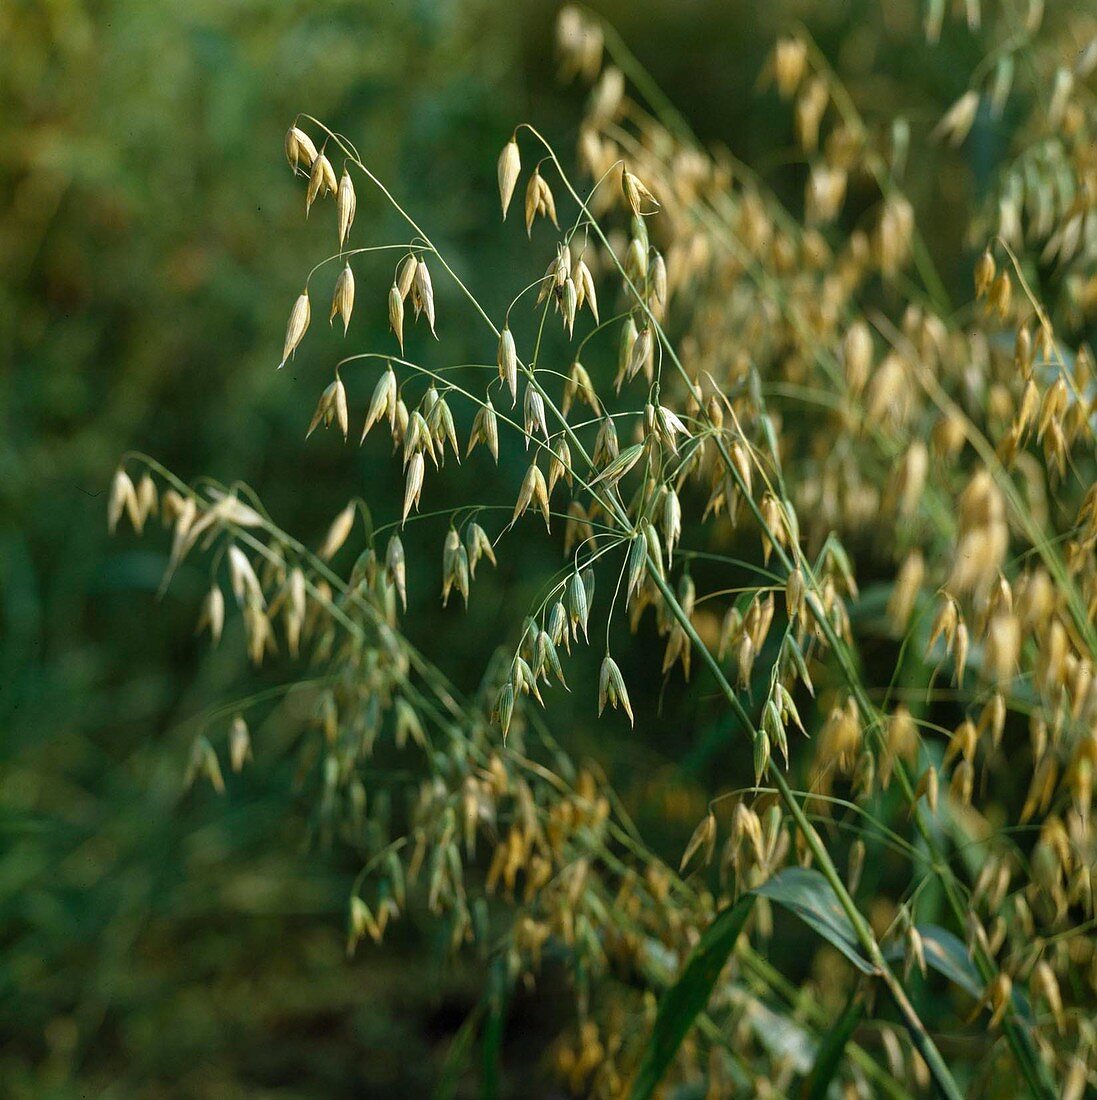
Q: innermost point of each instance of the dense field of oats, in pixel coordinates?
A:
(549, 552)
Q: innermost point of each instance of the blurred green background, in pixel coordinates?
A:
(161, 943)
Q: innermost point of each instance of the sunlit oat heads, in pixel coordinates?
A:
(838, 509)
(510, 167)
(297, 326)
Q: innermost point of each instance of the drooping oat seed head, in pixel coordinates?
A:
(245, 583)
(123, 498)
(485, 429)
(789, 63)
(636, 193)
(212, 616)
(539, 201)
(534, 490)
(383, 402)
(586, 293)
(612, 690)
(321, 181)
(413, 485)
(478, 546)
(510, 166)
(342, 300)
(397, 569)
(346, 205)
(533, 414)
(396, 315)
(702, 842)
(957, 121)
(299, 148)
(298, 324)
(239, 743)
(423, 293)
(338, 533)
(507, 360)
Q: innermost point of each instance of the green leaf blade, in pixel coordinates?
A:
(680, 1005)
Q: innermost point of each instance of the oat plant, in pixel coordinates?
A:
(759, 402)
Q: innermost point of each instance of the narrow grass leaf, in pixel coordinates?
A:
(689, 995)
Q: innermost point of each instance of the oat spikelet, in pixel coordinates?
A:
(510, 166)
(212, 617)
(338, 533)
(396, 315)
(423, 293)
(485, 429)
(321, 181)
(346, 204)
(299, 148)
(413, 486)
(331, 406)
(636, 194)
(239, 743)
(539, 201)
(383, 402)
(396, 568)
(507, 360)
(342, 300)
(534, 490)
(123, 498)
(611, 689)
(702, 841)
(789, 63)
(298, 324)
(958, 119)
(245, 583)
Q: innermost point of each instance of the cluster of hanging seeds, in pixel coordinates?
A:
(858, 511)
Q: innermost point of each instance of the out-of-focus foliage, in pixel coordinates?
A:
(156, 942)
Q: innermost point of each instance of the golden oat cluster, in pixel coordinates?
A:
(787, 394)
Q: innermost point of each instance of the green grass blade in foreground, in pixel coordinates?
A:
(689, 995)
